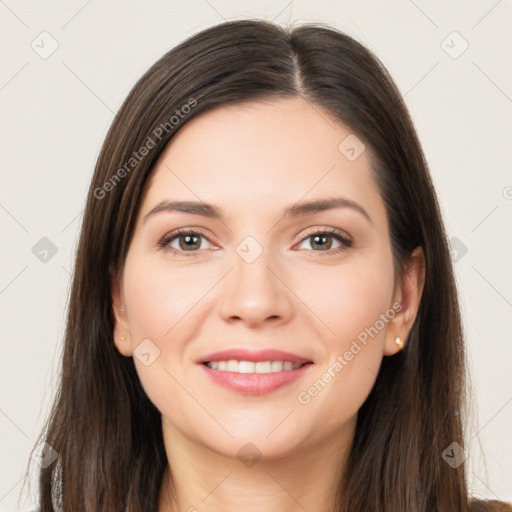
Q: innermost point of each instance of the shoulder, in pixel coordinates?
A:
(489, 506)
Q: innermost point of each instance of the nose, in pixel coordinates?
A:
(256, 292)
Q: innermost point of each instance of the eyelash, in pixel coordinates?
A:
(334, 233)
(345, 241)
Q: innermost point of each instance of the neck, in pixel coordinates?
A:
(199, 479)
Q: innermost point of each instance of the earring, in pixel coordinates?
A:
(399, 342)
(122, 339)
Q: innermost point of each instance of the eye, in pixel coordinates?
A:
(323, 239)
(188, 241)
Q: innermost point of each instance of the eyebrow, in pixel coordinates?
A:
(296, 210)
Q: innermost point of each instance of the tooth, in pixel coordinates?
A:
(277, 366)
(232, 365)
(246, 367)
(251, 367)
(263, 367)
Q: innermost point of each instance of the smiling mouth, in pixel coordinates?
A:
(255, 377)
(235, 366)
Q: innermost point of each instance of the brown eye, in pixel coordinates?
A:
(185, 240)
(323, 241)
(189, 242)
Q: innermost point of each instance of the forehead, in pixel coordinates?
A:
(260, 155)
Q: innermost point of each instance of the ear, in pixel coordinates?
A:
(122, 337)
(408, 292)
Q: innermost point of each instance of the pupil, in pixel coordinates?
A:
(323, 237)
(189, 238)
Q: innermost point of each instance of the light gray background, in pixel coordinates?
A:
(55, 112)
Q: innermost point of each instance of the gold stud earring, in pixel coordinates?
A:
(122, 339)
(399, 342)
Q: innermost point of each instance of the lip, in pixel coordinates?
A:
(242, 354)
(255, 383)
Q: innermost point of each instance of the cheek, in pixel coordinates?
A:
(353, 304)
(359, 302)
(163, 305)
(158, 299)
(160, 304)
(351, 297)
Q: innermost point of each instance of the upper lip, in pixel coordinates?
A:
(242, 354)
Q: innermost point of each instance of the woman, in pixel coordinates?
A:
(212, 360)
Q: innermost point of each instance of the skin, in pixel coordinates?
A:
(252, 161)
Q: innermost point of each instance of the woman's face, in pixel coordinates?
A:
(252, 278)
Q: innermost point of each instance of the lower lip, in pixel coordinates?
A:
(255, 383)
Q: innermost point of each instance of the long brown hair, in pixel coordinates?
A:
(107, 433)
